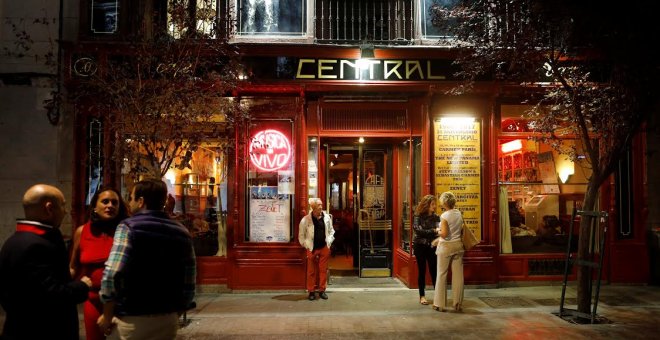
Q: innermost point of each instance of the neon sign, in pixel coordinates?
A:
(270, 150)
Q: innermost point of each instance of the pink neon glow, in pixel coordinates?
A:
(270, 150)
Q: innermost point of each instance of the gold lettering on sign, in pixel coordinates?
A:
(457, 153)
(299, 75)
(324, 68)
(428, 71)
(369, 69)
(395, 69)
(412, 66)
(354, 65)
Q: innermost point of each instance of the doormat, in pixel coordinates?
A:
(556, 302)
(370, 282)
(506, 302)
(622, 300)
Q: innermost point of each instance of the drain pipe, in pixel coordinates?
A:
(53, 109)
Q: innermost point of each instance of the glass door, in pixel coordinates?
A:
(358, 192)
(341, 197)
(374, 215)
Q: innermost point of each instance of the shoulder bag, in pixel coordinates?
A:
(468, 238)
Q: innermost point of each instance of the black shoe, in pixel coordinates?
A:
(323, 295)
(311, 297)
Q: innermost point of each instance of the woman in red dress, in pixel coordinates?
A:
(91, 248)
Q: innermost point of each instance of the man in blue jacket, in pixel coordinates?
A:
(149, 277)
(36, 289)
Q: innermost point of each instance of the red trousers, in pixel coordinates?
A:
(317, 269)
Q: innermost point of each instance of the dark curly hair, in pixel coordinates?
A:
(122, 209)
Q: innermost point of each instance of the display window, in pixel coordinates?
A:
(539, 187)
(270, 182)
(197, 197)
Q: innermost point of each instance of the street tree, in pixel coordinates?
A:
(592, 61)
(166, 91)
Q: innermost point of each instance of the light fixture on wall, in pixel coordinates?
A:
(511, 146)
(367, 51)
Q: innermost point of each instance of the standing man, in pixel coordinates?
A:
(149, 277)
(36, 288)
(316, 234)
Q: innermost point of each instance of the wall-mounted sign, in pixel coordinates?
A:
(373, 69)
(457, 153)
(270, 150)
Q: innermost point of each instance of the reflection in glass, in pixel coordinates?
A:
(429, 31)
(539, 189)
(104, 16)
(261, 17)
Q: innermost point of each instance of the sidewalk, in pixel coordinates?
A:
(385, 309)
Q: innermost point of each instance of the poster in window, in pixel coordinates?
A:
(270, 214)
(285, 182)
(548, 173)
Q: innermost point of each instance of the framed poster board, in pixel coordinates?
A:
(270, 215)
(457, 163)
(548, 173)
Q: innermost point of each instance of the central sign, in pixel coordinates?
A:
(372, 69)
(270, 150)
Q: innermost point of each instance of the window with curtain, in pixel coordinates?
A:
(271, 17)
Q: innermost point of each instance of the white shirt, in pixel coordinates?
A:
(455, 221)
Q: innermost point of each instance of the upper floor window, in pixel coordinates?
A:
(271, 17)
(200, 15)
(428, 18)
(104, 16)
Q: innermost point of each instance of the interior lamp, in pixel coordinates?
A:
(513, 145)
(565, 173)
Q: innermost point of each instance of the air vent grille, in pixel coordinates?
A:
(364, 120)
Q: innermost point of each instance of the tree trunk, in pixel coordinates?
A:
(584, 272)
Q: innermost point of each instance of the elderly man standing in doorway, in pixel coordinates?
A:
(316, 234)
(36, 288)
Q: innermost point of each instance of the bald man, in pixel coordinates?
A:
(36, 289)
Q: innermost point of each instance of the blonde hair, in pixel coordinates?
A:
(448, 198)
(423, 206)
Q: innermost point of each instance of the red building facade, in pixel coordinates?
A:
(371, 138)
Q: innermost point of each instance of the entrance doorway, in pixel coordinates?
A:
(358, 195)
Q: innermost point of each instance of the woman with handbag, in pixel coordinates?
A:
(450, 252)
(425, 225)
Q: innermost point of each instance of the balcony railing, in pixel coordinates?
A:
(354, 21)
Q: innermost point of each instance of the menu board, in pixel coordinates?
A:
(270, 214)
(457, 155)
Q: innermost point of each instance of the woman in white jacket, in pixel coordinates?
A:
(316, 234)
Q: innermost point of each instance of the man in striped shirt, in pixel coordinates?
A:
(149, 277)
